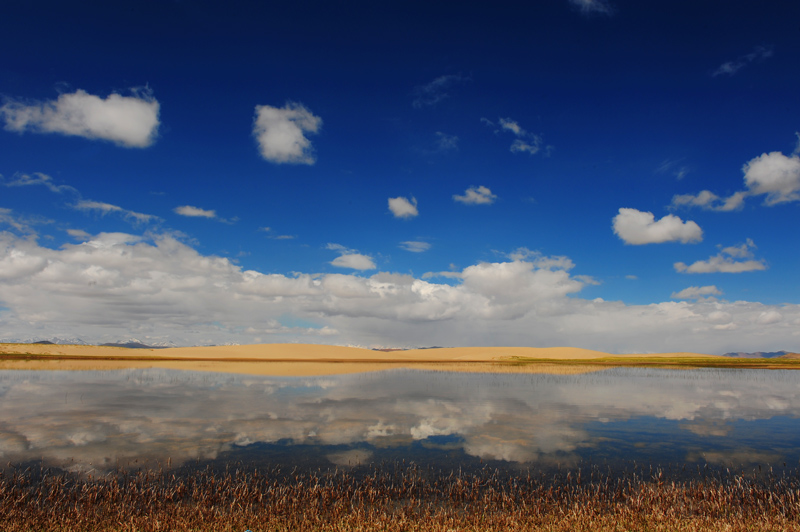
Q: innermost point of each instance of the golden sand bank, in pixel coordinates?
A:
(319, 353)
(310, 359)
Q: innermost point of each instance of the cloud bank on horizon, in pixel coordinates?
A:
(469, 198)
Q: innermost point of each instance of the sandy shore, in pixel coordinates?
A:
(304, 359)
(319, 353)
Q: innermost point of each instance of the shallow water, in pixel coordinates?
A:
(97, 421)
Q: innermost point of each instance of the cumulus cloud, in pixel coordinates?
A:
(415, 246)
(729, 68)
(350, 258)
(129, 121)
(525, 142)
(434, 92)
(355, 261)
(403, 207)
(697, 292)
(637, 228)
(116, 285)
(107, 208)
(195, 212)
(588, 7)
(281, 133)
(773, 175)
(476, 196)
(733, 259)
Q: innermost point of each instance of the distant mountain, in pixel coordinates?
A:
(758, 354)
(131, 345)
(46, 341)
(135, 343)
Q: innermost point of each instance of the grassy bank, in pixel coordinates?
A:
(396, 498)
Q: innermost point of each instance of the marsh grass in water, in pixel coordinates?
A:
(399, 497)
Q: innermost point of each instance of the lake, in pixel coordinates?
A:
(99, 421)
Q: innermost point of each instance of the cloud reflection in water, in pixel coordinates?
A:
(83, 420)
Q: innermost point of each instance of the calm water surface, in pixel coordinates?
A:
(102, 420)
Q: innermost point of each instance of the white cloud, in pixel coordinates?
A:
(476, 196)
(355, 261)
(592, 6)
(280, 133)
(415, 246)
(118, 285)
(350, 258)
(107, 208)
(637, 228)
(774, 175)
(725, 261)
(197, 212)
(435, 91)
(696, 292)
(403, 207)
(129, 121)
(732, 67)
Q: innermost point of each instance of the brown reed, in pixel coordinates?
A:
(395, 498)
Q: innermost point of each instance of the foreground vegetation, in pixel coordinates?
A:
(397, 498)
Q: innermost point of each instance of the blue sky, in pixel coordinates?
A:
(612, 175)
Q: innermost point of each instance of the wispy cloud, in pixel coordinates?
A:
(445, 142)
(415, 246)
(37, 178)
(128, 121)
(734, 259)
(696, 292)
(195, 212)
(588, 7)
(525, 141)
(403, 207)
(281, 133)
(729, 68)
(434, 92)
(107, 208)
(272, 235)
(21, 224)
(476, 196)
(636, 227)
(673, 167)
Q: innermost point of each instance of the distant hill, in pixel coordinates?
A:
(758, 354)
(134, 345)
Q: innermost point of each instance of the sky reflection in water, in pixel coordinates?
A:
(102, 420)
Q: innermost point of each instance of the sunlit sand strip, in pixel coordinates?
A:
(289, 369)
(314, 359)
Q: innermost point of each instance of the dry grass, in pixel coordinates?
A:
(396, 498)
